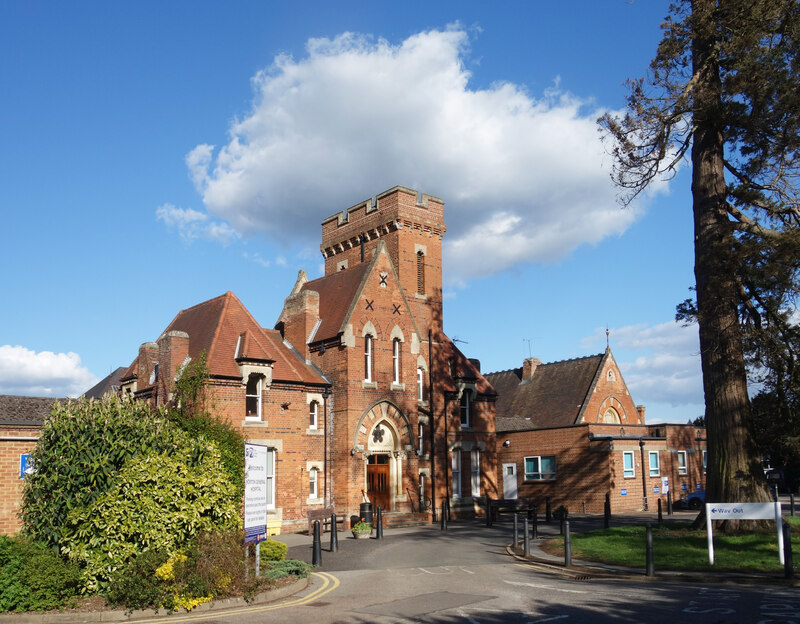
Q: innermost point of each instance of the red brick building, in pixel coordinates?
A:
(570, 431)
(358, 393)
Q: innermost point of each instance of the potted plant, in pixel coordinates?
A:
(361, 530)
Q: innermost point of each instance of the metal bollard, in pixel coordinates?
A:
(444, 516)
(526, 540)
(316, 546)
(669, 503)
(567, 545)
(247, 563)
(788, 566)
(535, 523)
(488, 511)
(548, 516)
(516, 529)
(379, 531)
(448, 511)
(791, 504)
(258, 559)
(334, 534)
(660, 517)
(651, 569)
(607, 511)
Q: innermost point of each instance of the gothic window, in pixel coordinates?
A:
(396, 361)
(367, 358)
(420, 384)
(420, 273)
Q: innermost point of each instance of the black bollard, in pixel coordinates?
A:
(379, 531)
(788, 566)
(535, 523)
(669, 503)
(607, 511)
(488, 511)
(334, 534)
(316, 552)
(660, 517)
(791, 504)
(547, 515)
(651, 569)
(516, 530)
(526, 540)
(444, 516)
(448, 512)
(567, 545)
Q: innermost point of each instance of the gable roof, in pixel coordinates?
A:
(553, 397)
(109, 384)
(25, 411)
(218, 325)
(336, 295)
(461, 367)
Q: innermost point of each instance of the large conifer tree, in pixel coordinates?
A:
(724, 91)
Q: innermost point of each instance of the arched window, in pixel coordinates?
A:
(420, 273)
(465, 407)
(396, 361)
(313, 415)
(253, 398)
(611, 416)
(420, 384)
(367, 358)
(313, 489)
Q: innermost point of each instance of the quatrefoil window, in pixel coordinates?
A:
(377, 435)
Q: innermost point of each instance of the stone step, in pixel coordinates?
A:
(396, 519)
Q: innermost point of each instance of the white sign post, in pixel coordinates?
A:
(255, 493)
(743, 511)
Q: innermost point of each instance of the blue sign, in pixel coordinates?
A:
(683, 487)
(25, 466)
(697, 487)
(623, 492)
(656, 489)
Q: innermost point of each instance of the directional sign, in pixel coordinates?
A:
(743, 511)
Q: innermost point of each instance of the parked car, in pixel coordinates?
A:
(691, 500)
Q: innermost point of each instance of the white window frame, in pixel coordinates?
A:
(455, 466)
(464, 408)
(270, 477)
(257, 396)
(475, 472)
(420, 384)
(538, 475)
(368, 346)
(313, 415)
(628, 473)
(654, 471)
(313, 483)
(421, 432)
(683, 468)
(396, 361)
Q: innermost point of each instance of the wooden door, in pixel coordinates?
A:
(378, 486)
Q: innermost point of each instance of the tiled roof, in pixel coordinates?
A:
(460, 367)
(513, 424)
(215, 327)
(553, 397)
(336, 294)
(109, 384)
(25, 411)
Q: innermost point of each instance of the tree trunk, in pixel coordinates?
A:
(734, 467)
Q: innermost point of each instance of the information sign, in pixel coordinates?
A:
(25, 465)
(665, 484)
(623, 492)
(743, 511)
(255, 493)
(656, 489)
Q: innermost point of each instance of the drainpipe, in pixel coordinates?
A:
(644, 476)
(325, 396)
(432, 423)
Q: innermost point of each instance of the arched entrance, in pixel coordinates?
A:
(384, 466)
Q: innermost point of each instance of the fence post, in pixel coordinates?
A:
(547, 515)
(567, 545)
(516, 529)
(316, 546)
(788, 566)
(651, 570)
(526, 540)
(607, 511)
(334, 534)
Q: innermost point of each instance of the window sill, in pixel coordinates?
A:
(396, 386)
(420, 296)
(312, 432)
(632, 477)
(553, 480)
(254, 423)
(369, 385)
(314, 501)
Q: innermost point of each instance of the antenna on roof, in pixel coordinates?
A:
(528, 340)
(457, 339)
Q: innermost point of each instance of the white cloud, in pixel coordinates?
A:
(192, 224)
(28, 373)
(660, 363)
(525, 178)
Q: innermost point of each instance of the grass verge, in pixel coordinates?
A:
(677, 547)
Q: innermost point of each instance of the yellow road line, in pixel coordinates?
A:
(329, 583)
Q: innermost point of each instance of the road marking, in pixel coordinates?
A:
(550, 619)
(329, 583)
(550, 587)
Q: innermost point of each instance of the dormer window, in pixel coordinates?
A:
(253, 397)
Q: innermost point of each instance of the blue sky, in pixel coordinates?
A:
(159, 154)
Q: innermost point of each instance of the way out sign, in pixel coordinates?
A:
(743, 511)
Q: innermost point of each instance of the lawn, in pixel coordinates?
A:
(677, 547)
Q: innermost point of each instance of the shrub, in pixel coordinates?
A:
(32, 577)
(157, 502)
(272, 550)
(290, 567)
(136, 585)
(82, 447)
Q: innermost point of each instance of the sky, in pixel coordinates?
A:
(158, 154)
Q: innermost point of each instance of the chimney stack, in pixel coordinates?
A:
(640, 411)
(529, 367)
(173, 349)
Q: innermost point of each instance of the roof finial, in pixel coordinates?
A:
(607, 333)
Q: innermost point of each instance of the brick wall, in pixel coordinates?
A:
(10, 482)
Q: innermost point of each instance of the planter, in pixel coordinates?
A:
(362, 534)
